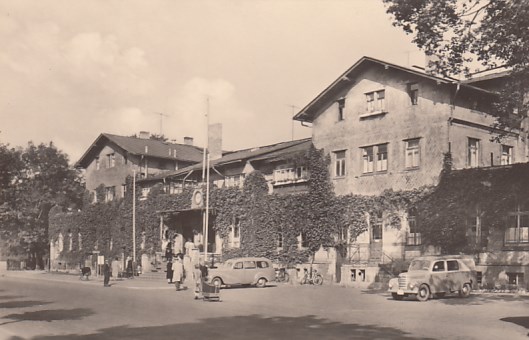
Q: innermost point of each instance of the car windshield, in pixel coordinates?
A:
(419, 265)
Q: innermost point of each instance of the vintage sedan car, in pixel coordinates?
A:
(431, 276)
(243, 271)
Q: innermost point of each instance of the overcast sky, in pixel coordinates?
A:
(71, 70)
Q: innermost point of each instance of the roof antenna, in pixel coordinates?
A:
(161, 114)
(293, 107)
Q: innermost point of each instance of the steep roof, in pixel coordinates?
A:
(142, 147)
(268, 152)
(314, 108)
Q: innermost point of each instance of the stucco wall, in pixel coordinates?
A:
(428, 121)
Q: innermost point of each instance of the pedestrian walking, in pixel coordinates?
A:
(197, 278)
(130, 273)
(178, 272)
(116, 268)
(169, 272)
(106, 274)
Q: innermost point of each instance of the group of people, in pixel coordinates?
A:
(176, 274)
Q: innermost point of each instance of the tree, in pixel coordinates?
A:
(457, 33)
(38, 179)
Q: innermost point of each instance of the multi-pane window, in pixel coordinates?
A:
(110, 192)
(236, 233)
(473, 153)
(290, 174)
(339, 163)
(376, 228)
(382, 157)
(234, 181)
(368, 159)
(474, 227)
(370, 163)
(506, 155)
(517, 230)
(414, 236)
(376, 101)
(413, 153)
(111, 160)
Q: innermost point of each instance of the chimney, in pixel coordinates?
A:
(215, 141)
(188, 140)
(144, 135)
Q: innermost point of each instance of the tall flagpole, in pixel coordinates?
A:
(205, 177)
(133, 220)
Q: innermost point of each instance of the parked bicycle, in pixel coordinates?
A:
(312, 277)
(282, 275)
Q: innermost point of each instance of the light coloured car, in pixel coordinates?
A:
(431, 276)
(243, 271)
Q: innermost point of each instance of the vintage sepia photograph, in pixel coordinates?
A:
(264, 169)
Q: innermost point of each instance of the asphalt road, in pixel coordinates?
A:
(32, 308)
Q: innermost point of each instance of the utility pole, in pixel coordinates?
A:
(161, 114)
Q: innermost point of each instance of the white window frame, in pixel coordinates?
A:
(235, 233)
(506, 155)
(414, 237)
(473, 152)
(340, 163)
(375, 158)
(412, 154)
(518, 234)
(111, 160)
(376, 101)
(110, 193)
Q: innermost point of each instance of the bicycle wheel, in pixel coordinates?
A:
(318, 280)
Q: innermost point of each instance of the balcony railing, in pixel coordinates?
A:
(290, 175)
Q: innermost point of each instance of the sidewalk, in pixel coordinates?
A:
(136, 283)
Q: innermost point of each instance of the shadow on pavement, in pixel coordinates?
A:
(8, 297)
(481, 299)
(49, 315)
(22, 304)
(518, 320)
(247, 327)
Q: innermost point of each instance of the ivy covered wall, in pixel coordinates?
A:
(321, 217)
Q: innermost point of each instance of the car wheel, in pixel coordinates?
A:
(424, 293)
(318, 280)
(397, 296)
(217, 282)
(261, 283)
(465, 290)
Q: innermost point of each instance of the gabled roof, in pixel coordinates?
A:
(270, 152)
(142, 147)
(316, 106)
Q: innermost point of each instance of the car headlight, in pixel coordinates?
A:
(412, 285)
(390, 285)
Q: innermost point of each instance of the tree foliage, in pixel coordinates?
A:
(460, 33)
(35, 179)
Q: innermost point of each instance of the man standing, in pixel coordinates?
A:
(106, 274)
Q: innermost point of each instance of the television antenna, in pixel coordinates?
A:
(293, 107)
(161, 114)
